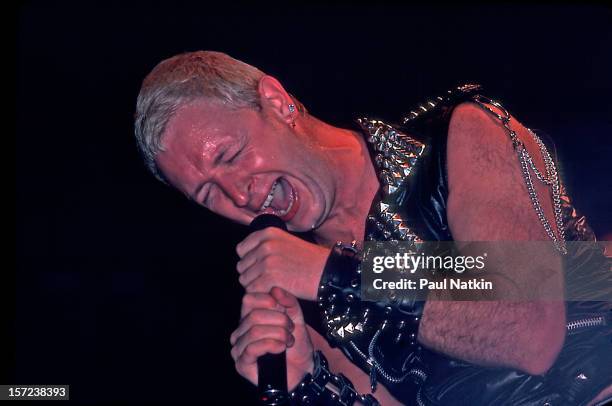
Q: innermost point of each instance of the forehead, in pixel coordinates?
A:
(198, 126)
(195, 134)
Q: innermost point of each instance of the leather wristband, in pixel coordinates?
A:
(361, 328)
(339, 289)
(342, 266)
(322, 388)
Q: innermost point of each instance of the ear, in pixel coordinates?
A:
(275, 99)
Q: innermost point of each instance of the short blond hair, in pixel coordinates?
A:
(184, 78)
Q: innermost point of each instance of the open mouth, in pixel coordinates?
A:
(282, 200)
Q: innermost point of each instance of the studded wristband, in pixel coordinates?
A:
(342, 267)
(322, 388)
(339, 289)
(361, 328)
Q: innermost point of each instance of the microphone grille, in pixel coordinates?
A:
(267, 220)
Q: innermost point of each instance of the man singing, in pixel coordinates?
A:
(457, 168)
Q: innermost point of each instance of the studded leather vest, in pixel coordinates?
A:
(380, 337)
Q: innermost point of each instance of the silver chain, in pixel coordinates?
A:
(550, 178)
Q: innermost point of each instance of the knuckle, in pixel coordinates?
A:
(256, 332)
(245, 308)
(257, 287)
(266, 248)
(251, 318)
(245, 321)
(266, 262)
(250, 350)
(248, 299)
(269, 302)
(286, 335)
(278, 319)
(277, 346)
(242, 279)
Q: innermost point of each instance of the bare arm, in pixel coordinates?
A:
(488, 201)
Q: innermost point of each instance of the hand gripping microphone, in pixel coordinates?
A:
(271, 368)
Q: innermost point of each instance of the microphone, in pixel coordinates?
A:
(271, 368)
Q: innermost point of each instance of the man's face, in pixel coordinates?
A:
(241, 163)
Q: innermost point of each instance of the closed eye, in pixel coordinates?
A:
(233, 158)
(203, 196)
(211, 196)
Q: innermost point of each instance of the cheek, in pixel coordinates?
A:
(255, 160)
(224, 207)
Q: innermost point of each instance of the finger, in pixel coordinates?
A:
(259, 348)
(260, 332)
(251, 301)
(289, 302)
(261, 317)
(249, 371)
(249, 275)
(250, 242)
(247, 261)
(254, 240)
(261, 284)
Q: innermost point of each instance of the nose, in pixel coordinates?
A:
(236, 188)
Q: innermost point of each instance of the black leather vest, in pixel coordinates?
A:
(417, 210)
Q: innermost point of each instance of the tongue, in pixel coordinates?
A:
(282, 195)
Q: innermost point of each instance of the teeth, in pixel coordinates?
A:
(270, 197)
(283, 212)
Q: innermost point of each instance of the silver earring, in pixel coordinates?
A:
(291, 111)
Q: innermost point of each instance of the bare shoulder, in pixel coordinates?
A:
(488, 198)
(478, 145)
(478, 134)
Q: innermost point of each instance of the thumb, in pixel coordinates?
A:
(289, 302)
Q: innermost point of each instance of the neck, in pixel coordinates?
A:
(356, 184)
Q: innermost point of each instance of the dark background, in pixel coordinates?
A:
(124, 289)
